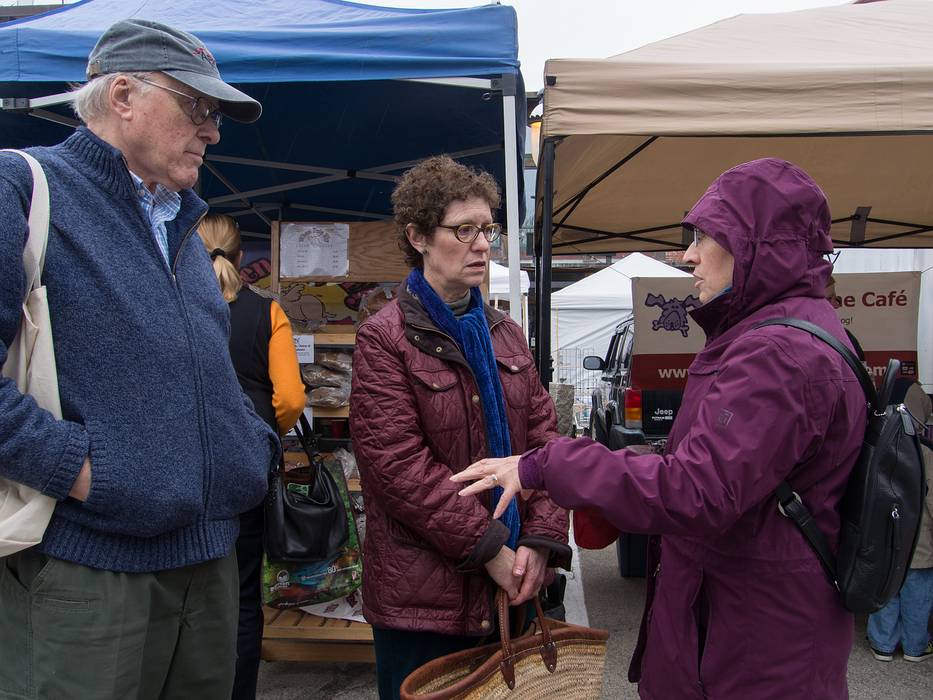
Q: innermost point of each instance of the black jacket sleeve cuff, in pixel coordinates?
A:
(487, 547)
(559, 554)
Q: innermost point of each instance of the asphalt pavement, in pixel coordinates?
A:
(613, 603)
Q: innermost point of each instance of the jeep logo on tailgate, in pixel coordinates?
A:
(659, 410)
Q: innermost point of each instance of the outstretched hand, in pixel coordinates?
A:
(489, 473)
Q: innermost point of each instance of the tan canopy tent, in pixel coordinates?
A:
(629, 143)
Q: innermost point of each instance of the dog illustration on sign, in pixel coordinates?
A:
(307, 311)
(673, 312)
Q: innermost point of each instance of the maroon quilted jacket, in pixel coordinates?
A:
(416, 418)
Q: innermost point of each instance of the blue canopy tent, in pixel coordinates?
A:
(352, 95)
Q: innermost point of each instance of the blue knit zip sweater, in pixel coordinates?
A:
(147, 387)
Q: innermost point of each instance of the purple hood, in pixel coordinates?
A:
(774, 220)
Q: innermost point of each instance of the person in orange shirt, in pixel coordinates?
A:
(263, 355)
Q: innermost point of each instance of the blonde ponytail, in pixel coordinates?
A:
(221, 237)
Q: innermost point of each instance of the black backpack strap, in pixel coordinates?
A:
(792, 507)
(868, 386)
(789, 503)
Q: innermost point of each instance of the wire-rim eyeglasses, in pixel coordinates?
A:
(201, 109)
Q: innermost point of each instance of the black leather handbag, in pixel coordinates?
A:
(304, 528)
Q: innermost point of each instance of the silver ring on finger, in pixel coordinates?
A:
(495, 479)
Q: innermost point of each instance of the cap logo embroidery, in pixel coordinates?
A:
(204, 54)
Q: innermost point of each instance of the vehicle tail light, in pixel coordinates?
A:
(632, 407)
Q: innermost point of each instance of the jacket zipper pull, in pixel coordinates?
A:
(895, 531)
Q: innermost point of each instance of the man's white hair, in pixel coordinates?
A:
(89, 101)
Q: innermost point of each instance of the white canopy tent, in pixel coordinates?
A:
(500, 289)
(585, 314)
(499, 281)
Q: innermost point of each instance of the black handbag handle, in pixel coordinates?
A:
(310, 527)
(303, 431)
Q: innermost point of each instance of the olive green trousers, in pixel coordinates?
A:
(69, 631)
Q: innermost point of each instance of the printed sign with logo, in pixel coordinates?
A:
(879, 308)
(666, 338)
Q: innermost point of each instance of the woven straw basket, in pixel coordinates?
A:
(552, 660)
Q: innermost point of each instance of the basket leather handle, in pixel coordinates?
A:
(548, 649)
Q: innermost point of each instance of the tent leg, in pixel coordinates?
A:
(543, 267)
(513, 225)
(525, 314)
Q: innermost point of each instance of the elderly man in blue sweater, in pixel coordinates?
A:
(132, 592)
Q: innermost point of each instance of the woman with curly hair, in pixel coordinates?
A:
(440, 379)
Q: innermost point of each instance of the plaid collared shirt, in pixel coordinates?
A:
(159, 207)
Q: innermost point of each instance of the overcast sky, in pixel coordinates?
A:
(596, 28)
(600, 28)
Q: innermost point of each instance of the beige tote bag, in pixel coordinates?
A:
(30, 362)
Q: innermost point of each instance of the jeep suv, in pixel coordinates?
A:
(622, 414)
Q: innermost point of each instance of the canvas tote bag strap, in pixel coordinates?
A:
(34, 252)
(31, 356)
(30, 362)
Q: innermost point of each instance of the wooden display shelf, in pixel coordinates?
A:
(328, 338)
(371, 251)
(327, 412)
(294, 635)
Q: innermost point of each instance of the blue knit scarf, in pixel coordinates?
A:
(471, 333)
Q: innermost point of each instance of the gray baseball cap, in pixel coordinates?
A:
(139, 45)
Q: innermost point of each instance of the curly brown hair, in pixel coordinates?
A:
(423, 193)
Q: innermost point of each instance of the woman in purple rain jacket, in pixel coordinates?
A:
(737, 603)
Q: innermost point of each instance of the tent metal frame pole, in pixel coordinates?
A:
(574, 201)
(256, 207)
(271, 206)
(512, 224)
(33, 106)
(229, 185)
(456, 155)
(543, 267)
(342, 212)
(478, 83)
(343, 172)
(629, 235)
(26, 104)
(858, 226)
(55, 117)
(328, 174)
(301, 184)
(895, 236)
